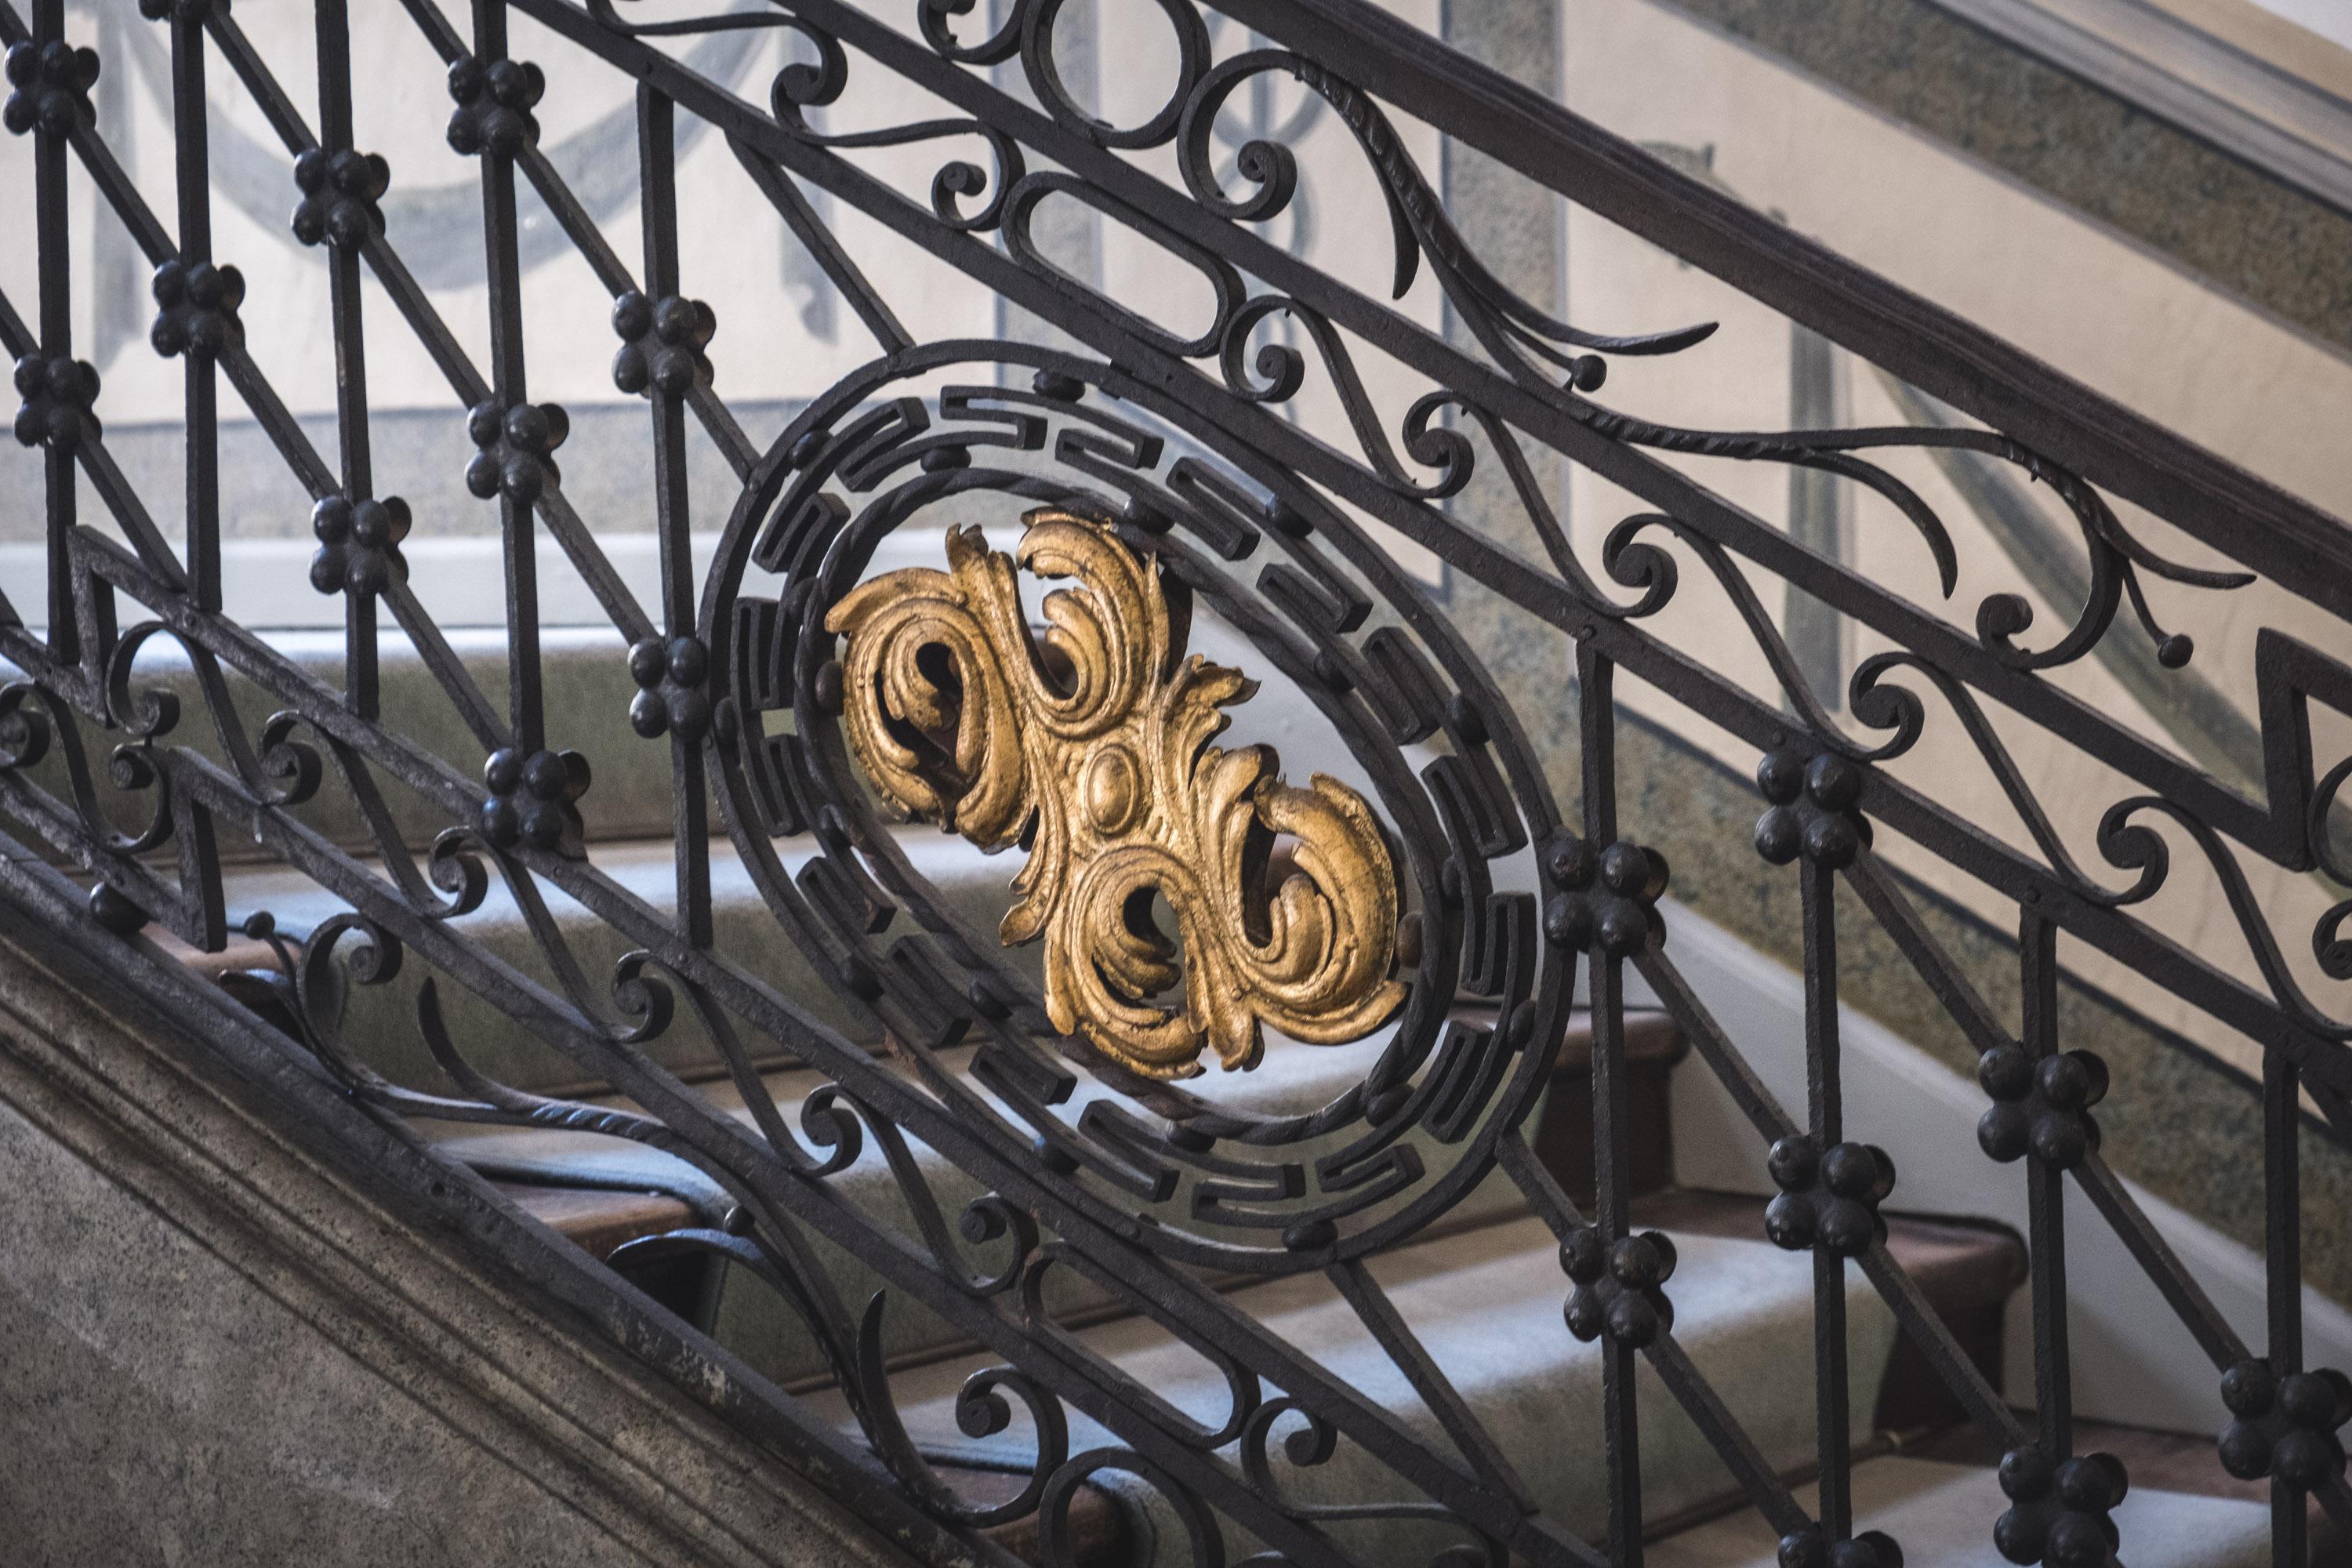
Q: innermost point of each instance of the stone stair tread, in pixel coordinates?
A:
(604, 1176)
(1942, 1513)
(1487, 1305)
(976, 886)
(645, 867)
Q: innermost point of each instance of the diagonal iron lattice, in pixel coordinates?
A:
(1178, 444)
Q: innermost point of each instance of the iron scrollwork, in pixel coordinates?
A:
(1160, 472)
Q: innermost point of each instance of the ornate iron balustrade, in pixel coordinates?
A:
(1162, 469)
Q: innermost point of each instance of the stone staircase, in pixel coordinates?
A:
(1483, 1288)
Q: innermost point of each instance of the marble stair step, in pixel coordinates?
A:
(1485, 1303)
(381, 1026)
(603, 1192)
(1942, 1514)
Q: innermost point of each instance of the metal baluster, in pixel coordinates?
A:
(686, 657)
(335, 135)
(1825, 1117)
(1611, 1115)
(526, 713)
(2037, 945)
(193, 164)
(56, 341)
(2283, 1266)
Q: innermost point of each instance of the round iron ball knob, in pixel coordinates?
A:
(2314, 1399)
(1623, 928)
(674, 371)
(520, 478)
(371, 524)
(1792, 1162)
(629, 370)
(503, 771)
(113, 909)
(1632, 1322)
(647, 660)
(1570, 861)
(1587, 371)
(1568, 920)
(65, 427)
(633, 314)
(2305, 1459)
(1636, 1263)
(347, 227)
(1624, 868)
(1584, 1255)
(2006, 1072)
(689, 661)
(526, 427)
(1781, 776)
(647, 716)
(1853, 1554)
(482, 475)
(501, 823)
(2020, 1536)
(513, 84)
(2175, 650)
(689, 713)
(367, 573)
(2092, 1483)
(1834, 782)
(1583, 1316)
(2059, 1140)
(1790, 1222)
(2076, 1541)
(1779, 835)
(330, 519)
(545, 775)
(2026, 1475)
(675, 319)
(2246, 1450)
(1849, 1170)
(2062, 1082)
(2248, 1388)
(1805, 1548)
(2005, 1131)
(542, 825)
(326, 569)
(1832, 842)
(1847, 1228)
(482, 422)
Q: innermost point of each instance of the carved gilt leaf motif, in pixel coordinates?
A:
(1102, 735)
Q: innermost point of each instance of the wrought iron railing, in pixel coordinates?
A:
(1163, 468)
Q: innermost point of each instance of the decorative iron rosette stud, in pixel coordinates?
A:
(2290, 1426)
(59, 394)
(1130, 799)
(50, 87)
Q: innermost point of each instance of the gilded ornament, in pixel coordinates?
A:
(1091, 744)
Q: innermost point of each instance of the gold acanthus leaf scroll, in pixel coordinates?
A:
(1101, 736)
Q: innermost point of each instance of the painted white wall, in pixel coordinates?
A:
(2331, 19)
(2133, 1361)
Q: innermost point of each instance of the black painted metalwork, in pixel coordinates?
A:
(1177, 438)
